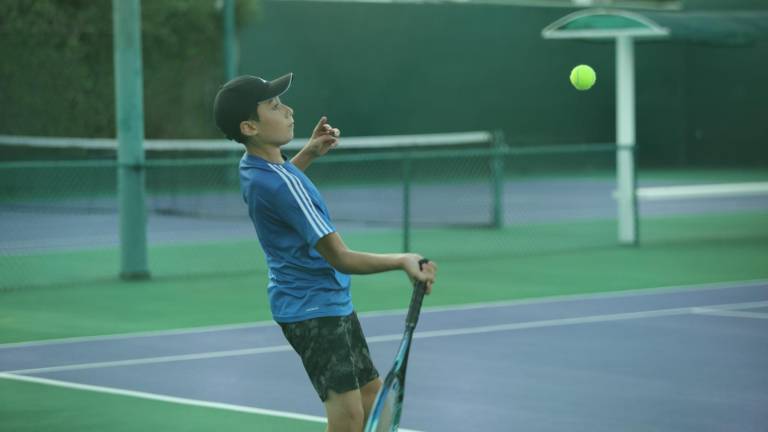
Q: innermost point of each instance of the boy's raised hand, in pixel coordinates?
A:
(324, 137)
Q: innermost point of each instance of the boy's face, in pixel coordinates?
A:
(275, 125)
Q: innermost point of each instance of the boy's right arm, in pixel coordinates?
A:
(333, 249)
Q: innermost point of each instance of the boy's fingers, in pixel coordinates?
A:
(326, 129)
(320, 123)
(428, 276)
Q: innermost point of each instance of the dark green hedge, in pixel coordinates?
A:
(56, 73)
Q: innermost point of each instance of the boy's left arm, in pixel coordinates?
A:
(323, 139)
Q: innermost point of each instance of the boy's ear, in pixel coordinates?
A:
(249, 128)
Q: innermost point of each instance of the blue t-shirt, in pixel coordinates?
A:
(290, 217)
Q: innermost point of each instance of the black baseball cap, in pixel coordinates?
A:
(237, 100)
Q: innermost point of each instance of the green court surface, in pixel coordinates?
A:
(77, 294)
(35, 407)
(69, 294)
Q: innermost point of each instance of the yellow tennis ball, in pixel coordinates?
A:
(583, 77)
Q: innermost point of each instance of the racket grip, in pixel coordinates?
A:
(419, 288)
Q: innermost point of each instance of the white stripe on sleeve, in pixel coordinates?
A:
(307, 200)
(299, 201)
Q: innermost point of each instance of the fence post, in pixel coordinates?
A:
(126, 16)
(407, 167)
(231, 55)
(231, 62)
(497, 179)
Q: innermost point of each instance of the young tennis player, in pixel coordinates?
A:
(309, 264)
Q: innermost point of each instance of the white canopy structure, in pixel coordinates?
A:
(626, 27)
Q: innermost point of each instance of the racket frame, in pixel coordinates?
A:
(397, 372)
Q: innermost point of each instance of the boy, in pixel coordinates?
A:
(309, 264)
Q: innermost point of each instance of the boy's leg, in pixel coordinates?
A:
(368, 395)
(336, 358)
(344, 411)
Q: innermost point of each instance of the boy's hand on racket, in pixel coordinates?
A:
(324, 138)
(427, 273)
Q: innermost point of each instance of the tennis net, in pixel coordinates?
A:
(199, 179)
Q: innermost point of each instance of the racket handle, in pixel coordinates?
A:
(419, 288)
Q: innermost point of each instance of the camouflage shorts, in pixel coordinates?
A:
(334, 353)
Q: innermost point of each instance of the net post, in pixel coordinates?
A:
(407, 168)
(497, 179)
(126, 15)
(625, 140)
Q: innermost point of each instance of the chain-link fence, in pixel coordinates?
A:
(451, 200)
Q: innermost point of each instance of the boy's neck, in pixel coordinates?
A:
(270, 153)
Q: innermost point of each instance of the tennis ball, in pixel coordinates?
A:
(583, 77)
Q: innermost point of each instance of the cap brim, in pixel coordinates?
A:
(279, 86)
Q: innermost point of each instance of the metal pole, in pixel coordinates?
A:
(497, 179)
(407, 165)
(231, 71)
(625, 139)
(126, 15)
(230, 40)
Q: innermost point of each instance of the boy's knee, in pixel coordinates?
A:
(345, 413)
(350, 421)
(347, 420)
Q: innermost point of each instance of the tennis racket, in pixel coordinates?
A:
(386, 410)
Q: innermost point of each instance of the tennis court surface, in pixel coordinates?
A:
(524, 231)
(603, 254)
(680, 358)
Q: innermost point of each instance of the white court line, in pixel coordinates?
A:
(702, 191)
(729, 313)
(418, 335)
(583, 320)
(638, 292)
(154, 360)
(119, 336)
(170, 399)
(427, 309)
